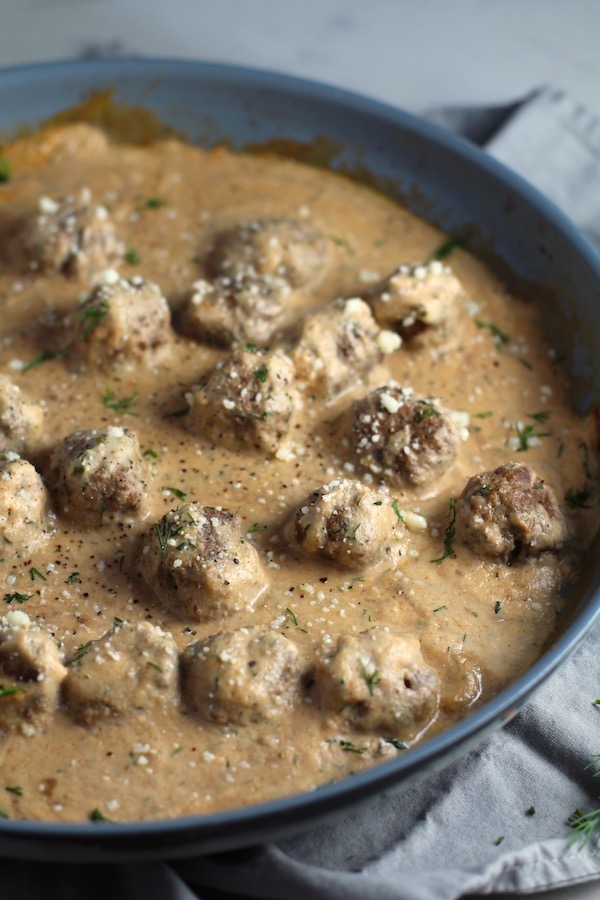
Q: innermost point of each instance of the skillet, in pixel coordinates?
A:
(442, 178)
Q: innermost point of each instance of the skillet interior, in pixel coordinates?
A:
(441, 178)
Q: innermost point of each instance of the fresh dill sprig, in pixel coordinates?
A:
(586, 825)
(445, 248)
(122, 404)
(527, 436)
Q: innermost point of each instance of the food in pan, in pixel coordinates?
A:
(285, 487)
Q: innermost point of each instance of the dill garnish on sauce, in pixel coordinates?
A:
(449, 534)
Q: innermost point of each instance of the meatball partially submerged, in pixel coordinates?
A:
(72, 236)
(340, 344)
(349, 523)
(99, 475)
(271, 248)
(258, 276)
(243, 676)
(124, 323)
(130, 669)
(31, 672)
(509, 512)
(403, 439)
(24, 509)
(21, 422)
(418, 301)
(378, 681)
(224, 312)
(200, 565)
(248, 401)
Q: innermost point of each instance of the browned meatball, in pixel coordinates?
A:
(132, 669)
(338, 345)
(401, 438)
(123, 323)
(271, 248)
(509, 512)
(21, 422)
(378, 681)
(200, 565)
(31, 672)
(98, 475)
(224, 312)
(73, 236)
(243, 676)
(247, 401)
(418, 302)
(350, 523)
(258, 276)
(25, 522)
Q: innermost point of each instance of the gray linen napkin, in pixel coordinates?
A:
(471, 827)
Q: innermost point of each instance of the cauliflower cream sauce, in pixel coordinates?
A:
(284, 486)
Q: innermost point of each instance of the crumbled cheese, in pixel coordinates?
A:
(48, 206)
(389, 403)
(388, 341)
(462, 420)
(354, 306)
(108, 277)
(414, 522)
(16, 618)
(285, 454)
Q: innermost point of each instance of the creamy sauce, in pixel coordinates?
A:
(481, 622)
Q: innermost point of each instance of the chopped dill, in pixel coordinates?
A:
(294, 619)
(449, 534)
(122, 405)
(500, 336)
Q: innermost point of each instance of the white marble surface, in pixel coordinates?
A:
(413, 53)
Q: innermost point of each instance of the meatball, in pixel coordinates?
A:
(99, 475)
(243, 676)
(349, 523)
(338, 345)
(249, 400)
(418, 301)
(21, 422)
(199, 565)
(509, 512)
(31, 672)
(271, 248)
(226, 311)
(132, 669)
(378, 681)
(402, 439)
(24, 511)
(259, 274)
(124, 323)
(72, 236)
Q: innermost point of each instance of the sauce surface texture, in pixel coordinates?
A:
(288, 481)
